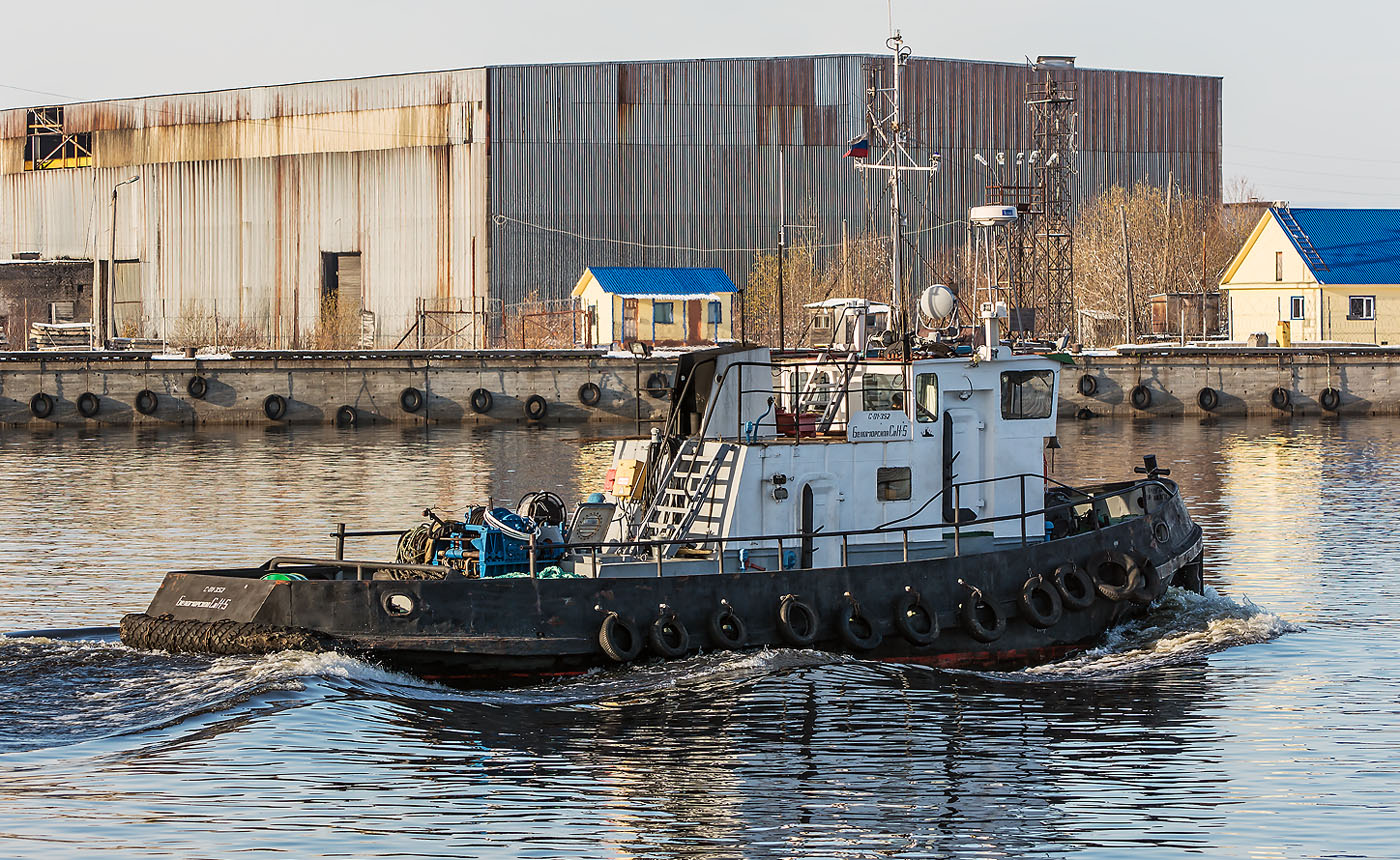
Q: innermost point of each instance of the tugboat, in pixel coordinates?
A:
(882, 496)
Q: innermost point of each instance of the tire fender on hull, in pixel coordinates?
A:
(1039, 603)
(726, 628)
(981, 618)
(1077, 588)
(1117, 575)
(797, 622)
(619, 638)
(667, 636)
(857, 630)
(914, 621)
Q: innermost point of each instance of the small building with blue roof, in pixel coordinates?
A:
(1318, 275)
(661, 306)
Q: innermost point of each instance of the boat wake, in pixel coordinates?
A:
(1182, 627)
(60, 692)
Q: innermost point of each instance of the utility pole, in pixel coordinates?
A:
(1130, 322)
(782, 252)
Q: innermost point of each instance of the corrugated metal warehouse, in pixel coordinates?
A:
(466, 190)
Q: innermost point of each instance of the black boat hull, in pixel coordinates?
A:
(481, 631)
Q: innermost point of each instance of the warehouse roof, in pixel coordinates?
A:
(657, 281)
(1355, 246)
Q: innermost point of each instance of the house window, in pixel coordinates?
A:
(1361, 307)
(882, 391)
(1295, 307)
(1027, 393)
(926, 397)
(1278, 265)
(663, 313)
(716, 314)
(892, 484)
(47, 147)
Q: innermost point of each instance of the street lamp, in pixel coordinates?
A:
(109, 303)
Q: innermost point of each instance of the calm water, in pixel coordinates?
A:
(1259, 721)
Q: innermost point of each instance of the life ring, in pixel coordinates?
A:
(1116, 575)
(619, 639)
(197, 387)
(797, 622)
(727, 629)
(913, 620)
(1151, 585)
(1039, 603)
(658, 385)
(536, 407)
(41, 405)
(858, 631)
(411, 399)
(481, 401)
(1330, 398)
(147, 401)
(589, 394)
(274, 406)
(982, 619)
(1088, 385)
(1208, 398)
(347, 416)
(1141, 396)
(89, 404)
(1280, 398)
(1076, 588)
(668, 636)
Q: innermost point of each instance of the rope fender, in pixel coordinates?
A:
(148, 633)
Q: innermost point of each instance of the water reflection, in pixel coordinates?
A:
(1165, 741)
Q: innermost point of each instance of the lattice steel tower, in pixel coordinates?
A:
(1053, 121)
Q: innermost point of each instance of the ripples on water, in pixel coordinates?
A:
(1200, 728)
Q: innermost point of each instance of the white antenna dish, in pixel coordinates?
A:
(937, 302)
(992, 215)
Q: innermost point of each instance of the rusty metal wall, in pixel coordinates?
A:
(241, 192)
(656, 163)
(676, 163)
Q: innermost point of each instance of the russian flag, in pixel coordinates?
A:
(859, 149)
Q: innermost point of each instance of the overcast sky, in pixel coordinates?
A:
(1303, 113)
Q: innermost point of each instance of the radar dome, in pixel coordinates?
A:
(937, 302)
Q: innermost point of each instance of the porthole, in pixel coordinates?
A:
(399, 605)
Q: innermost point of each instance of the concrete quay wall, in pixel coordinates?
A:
(316, 385)
(1245, 381)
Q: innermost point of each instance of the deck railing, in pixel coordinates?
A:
(655, 549)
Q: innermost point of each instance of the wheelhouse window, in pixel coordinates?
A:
(47, 147)
(1361, 307)
(893, 484)
(1027, 393)
(882, 391)
(926, 397)
(1295, 307)
(663, 313)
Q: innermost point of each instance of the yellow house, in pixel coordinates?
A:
(660, 306)
(1325, 274)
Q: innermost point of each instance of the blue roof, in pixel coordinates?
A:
(1357, 246)
(657, 280)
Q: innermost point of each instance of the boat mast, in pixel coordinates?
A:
(896, 159)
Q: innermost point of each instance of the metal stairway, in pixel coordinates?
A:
(1305, 245)
(836, 396)
(687, 490)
